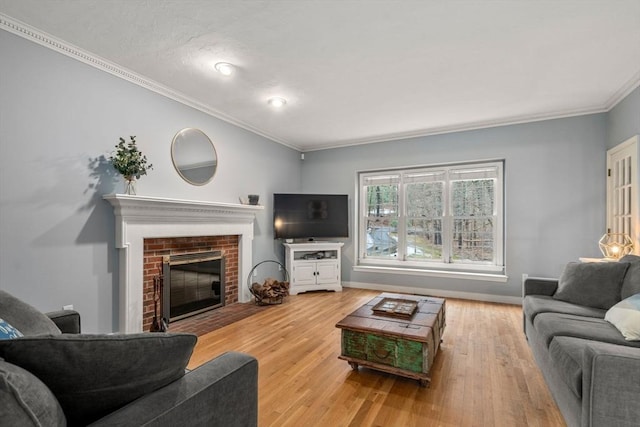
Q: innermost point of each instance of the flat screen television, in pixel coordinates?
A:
(310, 216)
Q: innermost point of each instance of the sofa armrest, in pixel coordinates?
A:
(540, 286)
(222, 392)
(610, 385)
(68, 321)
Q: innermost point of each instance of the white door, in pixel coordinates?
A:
(623, 192)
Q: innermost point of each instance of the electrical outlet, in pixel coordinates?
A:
(525, 276)
(279, 267)
(255, 273)
(67, 307)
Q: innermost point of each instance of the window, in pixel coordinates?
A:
(441, 217)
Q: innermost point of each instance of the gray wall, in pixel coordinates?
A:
(624, 119)
(57, 117)
(555, 192)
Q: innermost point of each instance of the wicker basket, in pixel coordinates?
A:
(266, 265)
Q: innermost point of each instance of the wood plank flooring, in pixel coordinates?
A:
(483, 375)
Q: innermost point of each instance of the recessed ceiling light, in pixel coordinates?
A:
(224, 68)
(277, 102)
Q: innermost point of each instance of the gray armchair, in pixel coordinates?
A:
(68, 321)
(55, 376)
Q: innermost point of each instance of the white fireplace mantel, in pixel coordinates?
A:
(141, 217)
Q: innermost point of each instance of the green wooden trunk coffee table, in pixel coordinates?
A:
(394, 342)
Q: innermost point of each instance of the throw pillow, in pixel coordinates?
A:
(631, 284)
(24, 317)
(93, 375)
(7, 331)
(592, 284)
(25, 400)
(625, 316)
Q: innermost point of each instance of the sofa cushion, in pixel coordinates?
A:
(593, 284)
(536, 304)
(25, 400)
(24, 317)
(625, 316)
(7, 331)
(567, 355)
(550, 325)
(631, 283)
(93, 375)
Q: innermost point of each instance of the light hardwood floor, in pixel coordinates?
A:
(484, 374)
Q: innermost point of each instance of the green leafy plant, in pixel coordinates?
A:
(130, 161)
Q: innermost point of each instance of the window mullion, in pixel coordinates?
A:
(362, 232)
(498, 248)
(498, 213)
(447, 222)
(402, 221)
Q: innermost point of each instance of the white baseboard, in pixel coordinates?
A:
(503, 299)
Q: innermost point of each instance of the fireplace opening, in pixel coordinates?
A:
(193, 283)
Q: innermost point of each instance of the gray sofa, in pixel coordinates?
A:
(51, 375)
(591, 369)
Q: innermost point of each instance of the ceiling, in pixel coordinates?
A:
(358, 71)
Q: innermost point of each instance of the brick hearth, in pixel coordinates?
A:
(156, 248)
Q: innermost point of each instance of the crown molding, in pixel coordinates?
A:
(35, 35)
(626, 89)
(632, 84)
(464, 127)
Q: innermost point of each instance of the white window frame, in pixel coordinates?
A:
(489, 271)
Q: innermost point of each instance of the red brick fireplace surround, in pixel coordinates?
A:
(151, 223)
(156, 248)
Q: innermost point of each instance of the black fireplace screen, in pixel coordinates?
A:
(193, 283)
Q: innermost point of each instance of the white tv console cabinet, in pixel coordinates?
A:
(313, 266)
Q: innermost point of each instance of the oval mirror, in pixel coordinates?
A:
(194, 156)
